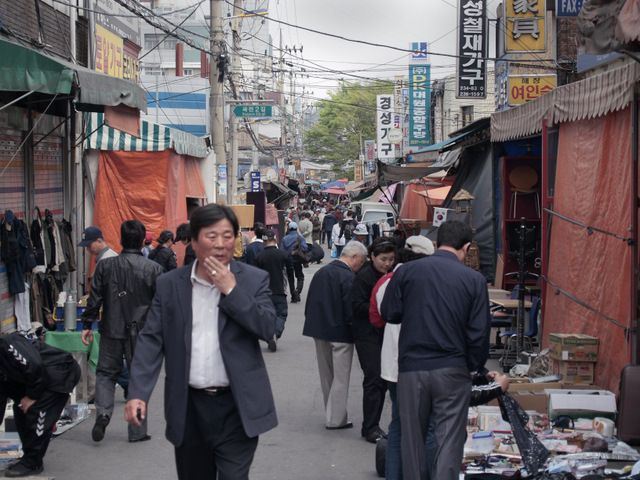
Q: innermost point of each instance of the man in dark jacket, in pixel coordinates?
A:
(444, 310)
(328, 314)
(294, 244)
(256, 246)
(123, 287)
(276, 262)
(328, 222)
(38, 378)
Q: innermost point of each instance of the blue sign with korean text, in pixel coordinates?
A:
(419, 105)
(568, 8)
(255, 182)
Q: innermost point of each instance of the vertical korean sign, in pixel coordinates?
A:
(370, 155)
(384, 125)
(525, 26)
(109, 52)
(419, 105)
(472, 50)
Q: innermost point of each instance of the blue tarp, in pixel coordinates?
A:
(336, 184)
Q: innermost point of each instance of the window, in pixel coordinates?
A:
(467, 115)
(188, 72)
(152, 71)
(151, 40)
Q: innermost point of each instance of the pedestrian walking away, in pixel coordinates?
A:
(205, 323)
(163, 254)
(443, 307)
(123, 288)
(328, 222)
(328, 314)
(257, 244)
(368, 339)
(276, 262)
(296, 246)
(38, 378)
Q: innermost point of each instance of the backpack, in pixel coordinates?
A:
(348, 231)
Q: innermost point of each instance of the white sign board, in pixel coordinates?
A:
(384, 125)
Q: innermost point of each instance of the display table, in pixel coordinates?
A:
(85, 355)
(72, 342)
(510, 303)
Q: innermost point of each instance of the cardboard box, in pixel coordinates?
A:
(576, 373)
(245, 214)
(573, 346)
(582, 403)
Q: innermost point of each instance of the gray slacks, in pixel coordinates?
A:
(441, 397)
(334, 365)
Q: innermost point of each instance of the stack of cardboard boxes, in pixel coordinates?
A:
(574, 357)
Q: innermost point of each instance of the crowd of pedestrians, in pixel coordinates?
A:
(416, 317)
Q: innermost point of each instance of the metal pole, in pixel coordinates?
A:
(216, 96)
(232, 169)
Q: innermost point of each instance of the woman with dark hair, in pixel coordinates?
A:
(368, 339)
(163, 254)
(183, 234)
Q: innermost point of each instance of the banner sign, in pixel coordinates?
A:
(419, 105)
(568, 8)
(119, 20)
(255, 182)
(472, 50)
(501, 93)
(384, 125)
(525, 26)
(109, 52)
(524, 88)
(419, 52)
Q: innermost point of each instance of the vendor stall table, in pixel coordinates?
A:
(510, 303)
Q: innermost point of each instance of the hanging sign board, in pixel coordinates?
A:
(472, 49)
(384, 125)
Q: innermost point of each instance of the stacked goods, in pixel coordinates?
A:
(574, 357)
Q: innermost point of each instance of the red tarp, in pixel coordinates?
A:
(593, 186)
(148, 186)
(334, 191)
(415, 206)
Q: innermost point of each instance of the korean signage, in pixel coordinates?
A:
(525, 26)
(222, 180)
(419, 105)
(118, 20)
(501, 93)
(255, 181)
(398, 116)
(472, 50)
(568, 8)
(420, 52)
(384, 125)
(109, 52)
(370, 155)
(524, 88)
(253, 110)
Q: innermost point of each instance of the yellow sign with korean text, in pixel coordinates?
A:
(524, 26)
(524, 88)
(109, 52)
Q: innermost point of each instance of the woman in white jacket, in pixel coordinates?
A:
(336, 239)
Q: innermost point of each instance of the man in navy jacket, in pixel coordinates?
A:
(444, 310)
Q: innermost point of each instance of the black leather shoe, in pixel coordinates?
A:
(271, 344)
(374, 435)
(341, 427)
(21, 470)
(97, 433)
(141, 439)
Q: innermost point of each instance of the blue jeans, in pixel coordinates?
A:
(393, 467)
(280, 304)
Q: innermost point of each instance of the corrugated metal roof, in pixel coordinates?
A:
(592, 97)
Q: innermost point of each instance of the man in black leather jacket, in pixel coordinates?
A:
(123, 287)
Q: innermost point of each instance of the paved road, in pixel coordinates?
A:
(299, 448)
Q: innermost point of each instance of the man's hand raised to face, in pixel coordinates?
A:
(220, 275)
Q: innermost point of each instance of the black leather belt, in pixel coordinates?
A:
(213, 391)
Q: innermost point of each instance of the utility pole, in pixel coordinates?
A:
(232, 169)
(216, 83)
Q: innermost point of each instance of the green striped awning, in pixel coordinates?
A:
(153, 138)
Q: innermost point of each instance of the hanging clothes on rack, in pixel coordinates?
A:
(37, 239)
(15, 251)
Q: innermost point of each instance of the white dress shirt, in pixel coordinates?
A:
(207, 367)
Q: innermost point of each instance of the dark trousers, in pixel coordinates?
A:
(299, 273)
(35, 427)
(110, 358)
(436, 400)
(374, 387)
(215, 446)
(282, 309)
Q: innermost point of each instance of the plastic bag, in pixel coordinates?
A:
(334, 252)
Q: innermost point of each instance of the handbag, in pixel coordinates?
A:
(299, 252)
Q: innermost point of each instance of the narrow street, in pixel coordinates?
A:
(299, 448)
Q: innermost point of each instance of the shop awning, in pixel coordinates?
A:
(334, 191)
(592, 97)
(27, 70)
(401, 173)
(153, 138)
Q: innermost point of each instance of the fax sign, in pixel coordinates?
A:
(568, 8)
(254, 111)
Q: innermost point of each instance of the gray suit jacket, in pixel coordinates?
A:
(245, 316)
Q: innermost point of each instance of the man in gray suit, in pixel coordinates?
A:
(206, 320)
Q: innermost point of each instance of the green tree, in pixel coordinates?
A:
(345, 119)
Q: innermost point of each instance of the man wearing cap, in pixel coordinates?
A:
(361, 234)
(93, 241)
(294, 244)
(123, 287)
(276, 262)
